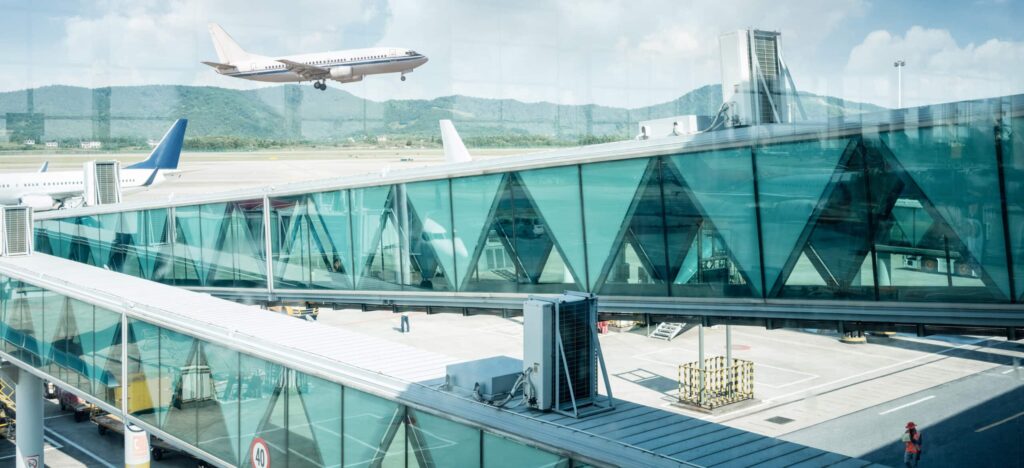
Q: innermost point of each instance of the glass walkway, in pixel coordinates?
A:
(216, 378)
(914, 215)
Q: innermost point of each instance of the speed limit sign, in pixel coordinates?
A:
(259, 453)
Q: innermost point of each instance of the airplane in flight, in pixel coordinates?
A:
(343, 66)
(46, 190)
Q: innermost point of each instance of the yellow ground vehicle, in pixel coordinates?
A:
(107, 423)
(7, 409)
(307, 313)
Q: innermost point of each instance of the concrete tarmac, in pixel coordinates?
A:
(975, 421)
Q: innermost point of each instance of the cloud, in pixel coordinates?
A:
(938, 68)
(610, 52)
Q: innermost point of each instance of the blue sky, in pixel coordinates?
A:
(611, 52)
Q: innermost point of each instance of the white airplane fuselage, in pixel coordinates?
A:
(29, 187)
(343, 66)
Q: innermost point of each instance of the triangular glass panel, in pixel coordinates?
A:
(473, 204)
(80, 344)
(41, 244)
(431, 246)
(187, 245)
(24, 332)
(555, 192)
(792, 179)
(382, 255)
(722, 184)
(261, 384)
(102, 238)
(144, 366)
(371, 425)
(145, 235)
(303, 446)
(290, 242)
(60, 242)
(238, 259)
(107, 355)
(211, 221)
(181, 391)
(937, 265)
(609, 189)
(955, 168)
(218, 426)
(320, 402)
(835, 249)
(369, 207)
(329, 224)
(638, 265)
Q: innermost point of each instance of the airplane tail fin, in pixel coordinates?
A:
(228, 51)
(168, 152)
(454, 150)
(152, 178)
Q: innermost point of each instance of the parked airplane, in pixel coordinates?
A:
(344, 66)
(45, 190)
(454, 150)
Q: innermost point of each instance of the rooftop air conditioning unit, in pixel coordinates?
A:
(102, 182)
(16, 226)
(757, 87)
(561, 355)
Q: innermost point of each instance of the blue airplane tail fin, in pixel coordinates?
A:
(166, 154)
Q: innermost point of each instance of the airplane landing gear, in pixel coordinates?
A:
(321, 85)
(403, 77)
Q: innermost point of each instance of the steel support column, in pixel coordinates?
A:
(29, 426)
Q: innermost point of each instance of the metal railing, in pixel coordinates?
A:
(717, 383)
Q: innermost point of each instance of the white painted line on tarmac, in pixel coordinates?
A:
(80, 448)
(57, 416)
(809, 377)
(990, 426)
(929, 397)
(1007, 371)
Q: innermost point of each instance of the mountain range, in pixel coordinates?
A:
(293, 112)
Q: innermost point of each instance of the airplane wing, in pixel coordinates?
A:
(309, 72)
(46, 165)
(220, 66)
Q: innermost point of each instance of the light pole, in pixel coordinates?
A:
(899, 64)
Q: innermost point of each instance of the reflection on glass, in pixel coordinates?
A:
(314, 422)
(637, 266)
(947, 216)
(217, 404)
(434, 441)
(427, 233)
(553, 207)
(472, 202)
(371, 425)
(500, 452)
(1011, 135)
(376, 238)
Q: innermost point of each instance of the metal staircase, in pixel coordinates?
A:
(7, 409)
(667, 330)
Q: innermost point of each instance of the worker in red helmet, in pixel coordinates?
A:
(912, 446)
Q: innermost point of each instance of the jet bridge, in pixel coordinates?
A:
(904, 220)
